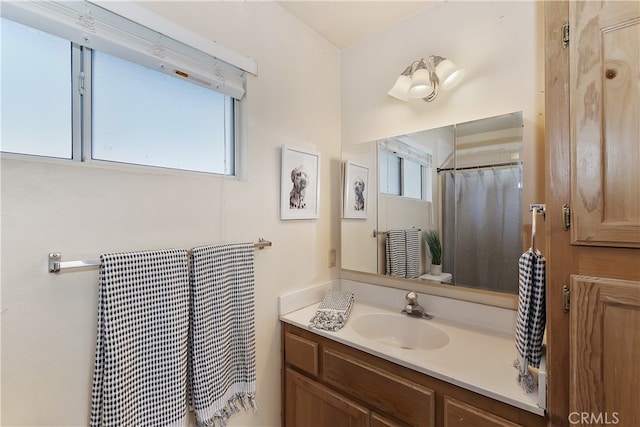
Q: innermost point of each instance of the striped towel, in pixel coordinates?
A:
(531, 319)
(396, 251)
(333, 311)
(222, 337)
(402, 249)
(140, 372)
(412, 245)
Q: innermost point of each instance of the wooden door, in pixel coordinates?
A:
(592, 149)
(605, 130)
(310, 404)
(605, 350)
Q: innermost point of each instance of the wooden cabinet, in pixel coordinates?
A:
(592, 154)
(329, 384)
(605, 136)
(460, 414)
(312, 404)
(605, 349)
(408, 401)
(380, 421)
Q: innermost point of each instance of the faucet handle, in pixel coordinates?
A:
(412, 298)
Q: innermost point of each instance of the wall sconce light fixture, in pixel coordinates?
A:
(424, 79)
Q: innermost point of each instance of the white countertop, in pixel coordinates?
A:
(476, 358)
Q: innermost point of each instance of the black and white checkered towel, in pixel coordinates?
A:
(531, 319)
(223, 356)
(140, 373)
(333, 312)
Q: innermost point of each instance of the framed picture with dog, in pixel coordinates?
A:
(300, 184)
(356, 186)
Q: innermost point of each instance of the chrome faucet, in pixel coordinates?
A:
(412, 308)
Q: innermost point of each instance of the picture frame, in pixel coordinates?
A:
(299, 184)
(356, 187)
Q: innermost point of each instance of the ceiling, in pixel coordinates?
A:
(345, 23)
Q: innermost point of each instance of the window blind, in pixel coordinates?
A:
(95, 27)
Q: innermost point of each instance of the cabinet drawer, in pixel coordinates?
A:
(301, 353)
(407, 401)
(460, 414)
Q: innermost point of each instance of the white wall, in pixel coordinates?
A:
(499, 44)
(49, 321)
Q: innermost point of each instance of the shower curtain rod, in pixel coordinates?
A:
(494, 165)
(56, 264)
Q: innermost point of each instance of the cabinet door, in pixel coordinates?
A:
(460, 414)
(378, 420)
(309, 404)
(605, 136)
(605, 350)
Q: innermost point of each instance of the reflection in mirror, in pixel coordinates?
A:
(408, 197)
(359, 249)
(463, 181)
(482, 204)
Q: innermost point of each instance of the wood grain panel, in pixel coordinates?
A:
(615, 263)
(301, 353)
(407, 401)
(605, 348)
(378, 420)
(313, 405)
(560, 254)
(605, 136)
(460, 414)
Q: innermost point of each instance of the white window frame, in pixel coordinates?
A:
(403, 152)
(143, 38)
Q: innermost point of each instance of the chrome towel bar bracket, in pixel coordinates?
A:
(56, 264)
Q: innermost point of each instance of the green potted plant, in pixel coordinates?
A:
(435, 247)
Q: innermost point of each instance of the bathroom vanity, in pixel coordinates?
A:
(437, 372)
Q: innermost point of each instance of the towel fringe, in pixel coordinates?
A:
(526, 381)
(525, 378)
(221, 417)
(233, 406)
(252, 402)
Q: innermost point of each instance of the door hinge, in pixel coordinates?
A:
(566, 217)
(566, 299)
(565, 34)
(81, 80)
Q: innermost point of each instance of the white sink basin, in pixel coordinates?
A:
(400, 331)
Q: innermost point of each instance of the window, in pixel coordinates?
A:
(36, 106)
(113, 91)
(411, 179)
(390, 173)
(404, 172)
(146, 117)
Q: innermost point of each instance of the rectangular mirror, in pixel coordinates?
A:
(463, 181)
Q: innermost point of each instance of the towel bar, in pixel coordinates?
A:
(535, 210)
(56, 264)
